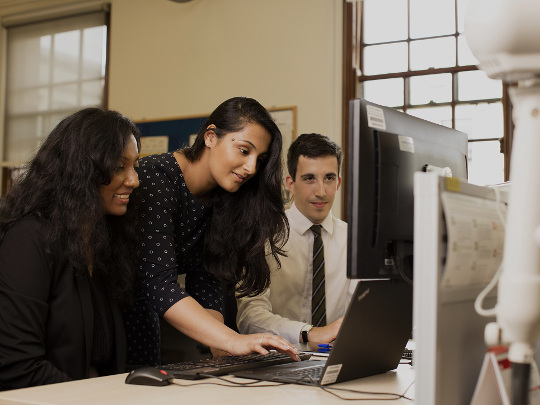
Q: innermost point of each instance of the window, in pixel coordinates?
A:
(416, 59)
(53, 69)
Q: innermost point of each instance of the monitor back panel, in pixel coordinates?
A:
(448, 276)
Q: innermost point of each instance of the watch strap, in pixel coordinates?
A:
(304, 332)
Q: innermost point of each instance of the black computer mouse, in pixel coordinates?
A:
(149, 376)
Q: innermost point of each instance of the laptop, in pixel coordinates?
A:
(371, 340)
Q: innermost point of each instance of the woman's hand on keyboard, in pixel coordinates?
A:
(260, 343)
(218, 352)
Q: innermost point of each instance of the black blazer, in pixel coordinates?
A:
(46, 313)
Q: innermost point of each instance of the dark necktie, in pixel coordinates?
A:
(318, 306)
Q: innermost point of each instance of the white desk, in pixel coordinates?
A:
(112, 390)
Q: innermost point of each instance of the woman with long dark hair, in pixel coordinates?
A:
(66, 253)
(213, 212)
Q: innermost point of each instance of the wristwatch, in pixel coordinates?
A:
(304, 332)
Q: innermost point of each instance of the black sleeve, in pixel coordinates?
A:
(25, 279)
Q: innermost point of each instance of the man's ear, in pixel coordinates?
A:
(290, 184)
(210, 137)
(338, 183)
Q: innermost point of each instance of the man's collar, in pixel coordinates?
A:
(300, 224)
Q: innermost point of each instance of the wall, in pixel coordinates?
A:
(172, 59)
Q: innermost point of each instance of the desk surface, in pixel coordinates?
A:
(113, 390)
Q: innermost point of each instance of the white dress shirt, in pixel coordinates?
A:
(285, 307)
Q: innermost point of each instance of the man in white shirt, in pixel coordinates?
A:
(285, 308)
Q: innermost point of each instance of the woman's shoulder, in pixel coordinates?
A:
(31, 226)
(161, 183)
(163, 167)
(30, 258)
(162, 160)
(26, 234)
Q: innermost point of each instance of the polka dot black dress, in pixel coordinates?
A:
(172, 224)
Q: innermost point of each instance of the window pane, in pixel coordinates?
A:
(461, 11)
(388, 92)
(381, 26)
(28, 100)
(433, 53)
(476, 85)
(438, 115)
(465, 56)
(431, 88)
(480, 121)
(64, 97)
(66, 56)
(486, 163)
(388, 58)
(21, 70)
(430, 18)
(94, 46)
(21, 147)
(91, 91)
(30, 131)
(45, 63)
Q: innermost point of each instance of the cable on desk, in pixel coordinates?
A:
(393, 396)
(230, 382)
(251, 384)
(409, 387)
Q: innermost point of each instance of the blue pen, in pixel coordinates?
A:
(325, 345)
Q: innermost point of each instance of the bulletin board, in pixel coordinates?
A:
(167, 135)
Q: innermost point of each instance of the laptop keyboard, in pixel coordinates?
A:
(225, 365)
(309, 374)
(312, 373)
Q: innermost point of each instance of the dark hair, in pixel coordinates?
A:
(246, 222)
(61, 184)
(311, 146)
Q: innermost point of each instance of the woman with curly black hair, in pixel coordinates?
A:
(66, 253)
(213, 212)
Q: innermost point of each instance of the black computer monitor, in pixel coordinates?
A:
(385, 148)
